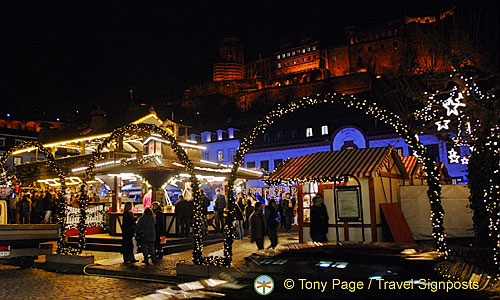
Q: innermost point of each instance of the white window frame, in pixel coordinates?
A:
(324, 130)
(309, 132)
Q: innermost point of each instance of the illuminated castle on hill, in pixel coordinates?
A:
(309, 67)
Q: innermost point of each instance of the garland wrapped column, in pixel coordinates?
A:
(60, 213)
(387, 117)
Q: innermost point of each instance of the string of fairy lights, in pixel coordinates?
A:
(452, 104)
(458, 111)
(395, 121)
(62, 245)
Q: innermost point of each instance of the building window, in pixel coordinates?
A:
(293, 53)
(251, 164)
(277, 162)
(314, 48)
(279, 65)
(278, 57)
(288, 54)
(324, 130)
(309, 132)
(220, 155)
(308, 49)
(206, 155)
(264, 164)
(304, 50)
(294, 61)
(280, 135)
(206, 137)
(231, 154)
(18, 160)
(266, 138)
(433, 151)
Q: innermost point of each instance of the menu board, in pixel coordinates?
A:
(347, 204)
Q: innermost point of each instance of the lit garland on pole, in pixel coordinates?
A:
(434, 191)
(484, 184)
(62, 246)
(183, 158)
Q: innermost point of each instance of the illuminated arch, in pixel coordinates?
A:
(183, 158)
(434, 191)
(31, 125)
(62, 246)
(16, 125)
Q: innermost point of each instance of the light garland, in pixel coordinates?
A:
(477, 129)
(62, 246)
(395, 121)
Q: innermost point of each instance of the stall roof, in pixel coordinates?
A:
(413, 167)
(357, 162)
(410, 163)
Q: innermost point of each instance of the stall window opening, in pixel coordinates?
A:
(309, 132)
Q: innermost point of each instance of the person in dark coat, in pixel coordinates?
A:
(128, 230)
(219, 207)
(159, 228)
(272, 224)
(48, 206)
(319, 220)
(145, 230)
(24, 210)
(240, 209)
(182, 215)
(37, 209)
(248, 212)
(258, 226)
(206, 204)
(286, 217)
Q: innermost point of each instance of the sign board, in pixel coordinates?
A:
(4, 192)
(347, 204)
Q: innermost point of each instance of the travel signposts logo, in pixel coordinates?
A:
(263, 285)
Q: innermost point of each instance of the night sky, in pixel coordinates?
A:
(58, 57)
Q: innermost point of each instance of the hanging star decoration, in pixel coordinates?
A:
(465, 160)
(452, 105)
(442, 124)
(453, 156)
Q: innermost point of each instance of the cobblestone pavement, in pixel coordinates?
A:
(167, 265)
(19, 284)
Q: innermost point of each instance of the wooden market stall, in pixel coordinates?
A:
(417, 174)
(373, 178)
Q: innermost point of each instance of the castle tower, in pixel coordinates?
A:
(231, 64)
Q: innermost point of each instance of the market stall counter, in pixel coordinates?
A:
(116, 219)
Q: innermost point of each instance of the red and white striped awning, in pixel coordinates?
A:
(315, 166)
(410, 163)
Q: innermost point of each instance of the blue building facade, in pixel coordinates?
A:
(267, 156)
